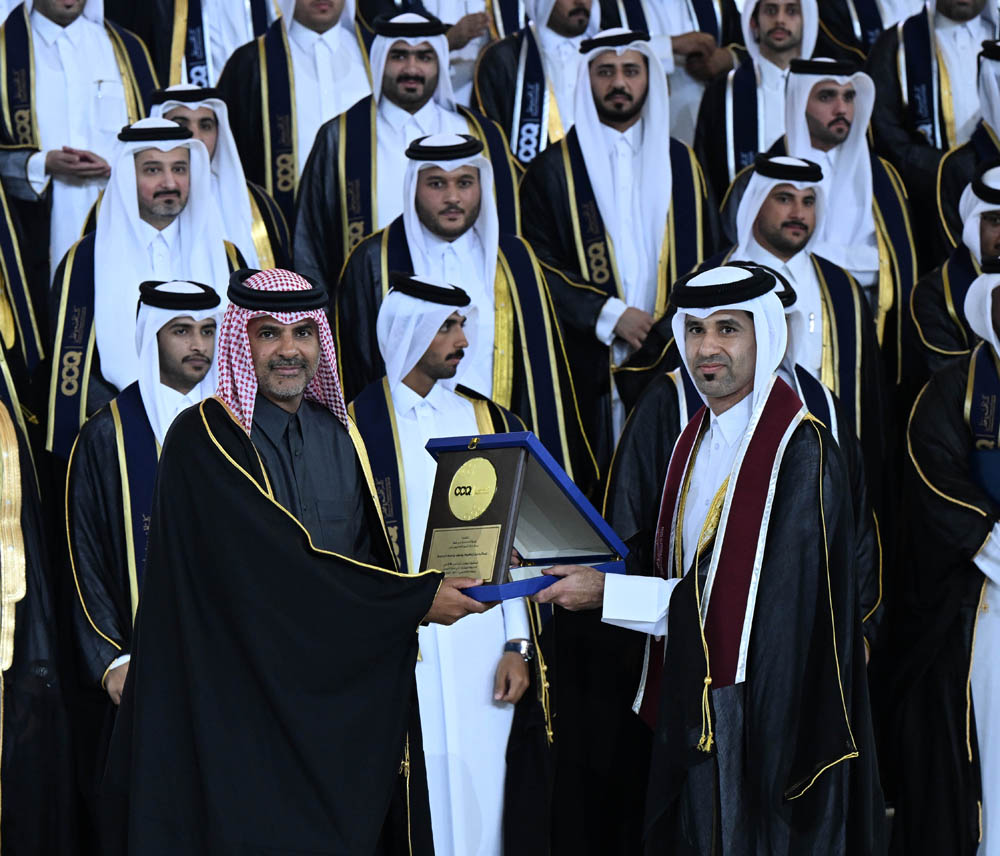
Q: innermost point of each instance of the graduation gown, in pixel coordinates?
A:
(109, 498)
(568, 236)
(897, 256)
(19, 138)
(938, 314)
(950, 513)
(258, 86)
(528, 771)
(910, 130)
(517, 95)
(175, 32)
(309, 718)
(792, 766)
(36, 766)
(531, 376)
(853, 25)
(76, 386)
(339, 182)
(956, 170)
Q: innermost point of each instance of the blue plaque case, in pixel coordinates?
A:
(556, 523)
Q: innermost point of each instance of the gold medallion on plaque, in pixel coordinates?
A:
(472, 489)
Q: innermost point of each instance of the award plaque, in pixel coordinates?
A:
(495, 492)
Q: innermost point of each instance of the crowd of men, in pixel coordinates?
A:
(735, 264)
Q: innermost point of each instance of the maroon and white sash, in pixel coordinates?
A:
(738, 551)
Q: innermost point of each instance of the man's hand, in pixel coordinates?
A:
(579, 588)
(469, 27)
(76, 163)
(512, 678)
(705, 67)
(450, 604)
(115, 682)
(694, 42)
(634, 326)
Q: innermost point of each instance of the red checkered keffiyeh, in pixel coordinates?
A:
(237, 378)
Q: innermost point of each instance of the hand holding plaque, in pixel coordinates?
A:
(498, 492)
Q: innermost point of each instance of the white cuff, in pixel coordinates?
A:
(611, 311)
(988, 557)
(515, 619)
(119, 661)
(637, 603)
(36, 172)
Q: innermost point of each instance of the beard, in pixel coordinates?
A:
(608, 114)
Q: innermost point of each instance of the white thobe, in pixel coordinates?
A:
(462, 62)
(79, 102)
(685, 91)
(801, 274)
(860, 212)
(985, 683)
(561, 58)
(461, 262)
(960, 43)
(330, 77)
(395, 129)
(163, 246)
(642, 603)
(229, 25)
(465, 731)
(636, 269)
(772, 89)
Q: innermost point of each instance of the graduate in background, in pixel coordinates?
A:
(485, 733)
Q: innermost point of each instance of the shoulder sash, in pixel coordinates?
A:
(842, 339)
(957, 275)
(357, 173)
(981, 404)
(188, 45)
(73, 349)
(743, 130)
(866, 21)
(506, 17)
(277, 95)
(897, 273)
(708, 14)
(269, 231)
(817, 398)
(529, 126)
(375, 417)
(919, 77)
(138, 456)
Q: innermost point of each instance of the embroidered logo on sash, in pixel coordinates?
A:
(69, 372)
(985, 421)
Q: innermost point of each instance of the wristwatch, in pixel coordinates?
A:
(521, 646)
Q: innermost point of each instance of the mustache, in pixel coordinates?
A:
(618, 91)
(795, 223)
(774, 30)
(286, 362)
(411, 78)
(838, 121)
(160, 193)
(456, 355)
(452, 209)
(579, 10)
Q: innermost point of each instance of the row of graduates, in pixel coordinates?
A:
(447, 161)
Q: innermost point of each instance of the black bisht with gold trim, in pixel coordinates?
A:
(269, 694)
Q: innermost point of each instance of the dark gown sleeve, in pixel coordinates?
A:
(940, 339)
(295, 684)
(102, 616)
(495, 83)
(710, 137)
(547, 226)
(957, 169)
(239, 85)
(639, 467)
(318, 227)
(37, 775)
(355, 310)
(905, 148)
(949, 519)
(278, 232)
